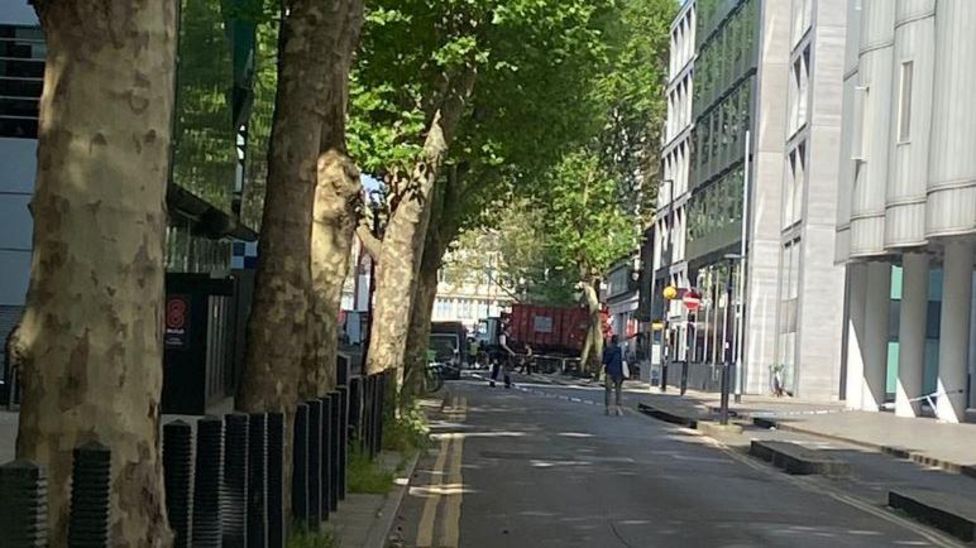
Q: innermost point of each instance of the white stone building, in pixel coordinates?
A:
(906, 211)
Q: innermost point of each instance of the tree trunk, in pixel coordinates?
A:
(592, 356)
(403, 243)
(419, 335)
(337, 201)
(90, 341)
(276, 330)
(442, 229)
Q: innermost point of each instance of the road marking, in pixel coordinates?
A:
(452, 514)
(449, 490)
(425, 531)
(809, 485)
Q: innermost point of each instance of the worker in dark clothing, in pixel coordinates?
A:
(613, 366)
(503, 359)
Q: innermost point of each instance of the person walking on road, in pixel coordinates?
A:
(502, 359)
(613, 366)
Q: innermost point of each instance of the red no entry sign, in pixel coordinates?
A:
(691, 300)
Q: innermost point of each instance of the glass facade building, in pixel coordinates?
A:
(752, 210)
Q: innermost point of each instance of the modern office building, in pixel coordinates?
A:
(220, 130)
(667, 240)
(906, 213)
(764, 122)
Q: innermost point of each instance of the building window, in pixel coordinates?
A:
(22, 53)
(794, 186)
(905, 102)
(799, 91)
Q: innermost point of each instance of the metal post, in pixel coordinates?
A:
(343, 439)
(23, 504)
(206, 528)
(664, 348)
(355, 407)
(726, 348)
(91, 478)
(257, 494)
(328, 438)
(235, 479)
(299, 484)
(276, 480)
(315, 454)
(335, 428)
(743, 247)
(178, 477)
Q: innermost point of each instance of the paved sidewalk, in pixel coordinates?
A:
(951, 447)
(365, 520)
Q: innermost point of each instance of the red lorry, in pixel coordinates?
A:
(551, 330)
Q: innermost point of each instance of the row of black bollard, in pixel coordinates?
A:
(322, 437)
(224, 484)
(23, 501)
(238, 467)
(369, 409)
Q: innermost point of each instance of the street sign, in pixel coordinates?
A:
(691, 300)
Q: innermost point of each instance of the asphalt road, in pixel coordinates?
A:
(511, 469)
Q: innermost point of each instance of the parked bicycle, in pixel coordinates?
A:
(433, 379)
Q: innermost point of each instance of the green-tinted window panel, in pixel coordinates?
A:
(891, 376)
(933, 320)
(204, 157)
(930, 375)
(897, 275)
(259, 124)
(935, 284)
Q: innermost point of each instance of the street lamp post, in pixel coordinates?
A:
(727, 357)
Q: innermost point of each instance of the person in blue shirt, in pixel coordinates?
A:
(613, 366)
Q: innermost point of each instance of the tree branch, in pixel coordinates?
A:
(372, 244)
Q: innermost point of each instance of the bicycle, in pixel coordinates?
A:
(433, 379)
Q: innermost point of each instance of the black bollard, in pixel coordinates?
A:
(276, 480)
(206, 529)
(299, 483)
(326, 477)
(343, 438)
(257, 499)
(23, 504)
(364, 434)
(334, 451)
(315, 455)
(91, 479)
(382, 388)
(355, 407)
(178, 478)
(235, 489)
(375, 412)
(342, 371)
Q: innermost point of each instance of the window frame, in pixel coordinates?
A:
(906, 88)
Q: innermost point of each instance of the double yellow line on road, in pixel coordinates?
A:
(448, 494)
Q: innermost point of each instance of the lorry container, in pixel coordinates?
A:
(550, 329)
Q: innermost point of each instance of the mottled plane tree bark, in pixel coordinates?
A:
(90, 342)
(337, 204)
(401, 249)
(277, 327)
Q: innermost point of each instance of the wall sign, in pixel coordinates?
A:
(177, 321)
